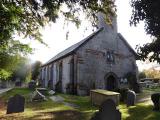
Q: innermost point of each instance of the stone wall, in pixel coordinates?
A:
(92, 63)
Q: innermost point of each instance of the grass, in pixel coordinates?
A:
(37, 110)
(58, 111)
(141, 111)
(84, 104)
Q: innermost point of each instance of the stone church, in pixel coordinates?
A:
(99, 61)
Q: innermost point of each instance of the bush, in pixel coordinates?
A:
(156, 100)
(133, 84)
(123, 93)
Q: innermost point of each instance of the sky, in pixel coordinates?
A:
(55, 35)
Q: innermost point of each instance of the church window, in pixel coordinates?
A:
(110, 56)
(60, 71)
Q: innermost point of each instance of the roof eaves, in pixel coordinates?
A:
(69, 53)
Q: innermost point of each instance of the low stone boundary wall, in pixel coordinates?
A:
(98, 96)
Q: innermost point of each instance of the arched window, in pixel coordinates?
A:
(72, 71)
(110, 56)
(60, 71)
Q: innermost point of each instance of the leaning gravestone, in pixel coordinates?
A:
(131, 98)
(43, 91)
(16, 104)
(37, 96)
(107, 111)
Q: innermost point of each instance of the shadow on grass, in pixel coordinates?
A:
(55, 115)
(58, 115)
(142, 112)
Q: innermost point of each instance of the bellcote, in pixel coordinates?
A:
(108, 27)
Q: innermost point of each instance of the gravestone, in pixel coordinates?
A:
(16, 104)
(51, 92)
(37, 96)
(43, 91)
(107, 111)
(131, 98)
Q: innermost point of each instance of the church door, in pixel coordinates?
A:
(110, 83)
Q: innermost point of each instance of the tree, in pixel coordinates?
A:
(8, 64)
(36, 70)
(26, 17)
(152, 73)
(22, 71)
(148, 11)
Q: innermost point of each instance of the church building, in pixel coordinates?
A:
(99, 61)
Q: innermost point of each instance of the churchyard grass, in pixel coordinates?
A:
(35, 110)
(59, 111)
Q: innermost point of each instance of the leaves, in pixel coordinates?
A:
(148, 11)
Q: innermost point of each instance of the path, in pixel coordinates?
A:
(4, 90)
(60, 99)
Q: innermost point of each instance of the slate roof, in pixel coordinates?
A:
(74, 47)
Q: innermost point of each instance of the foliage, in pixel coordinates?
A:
(123, 94)
(148, 11)
(23, 70)
(132, 80)
(36, 70)
(152, 73)
(142, 75)
(8, 64)
(4, 74)
(26, 17)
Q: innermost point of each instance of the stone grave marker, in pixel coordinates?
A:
(51, 92)
(37, 96)
(107, 111)
(43, 91)
(16, 104)
(131, 98)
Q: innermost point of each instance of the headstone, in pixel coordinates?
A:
(43, 91)
(37, 96)
(16, 104)
(32, 84)
(51, 92)
(131, 98)
(107, 111)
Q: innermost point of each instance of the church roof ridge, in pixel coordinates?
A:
(73, 47)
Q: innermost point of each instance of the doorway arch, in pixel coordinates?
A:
(111, 81)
